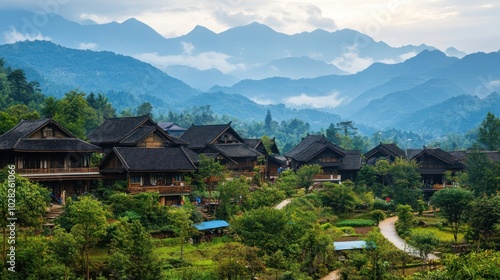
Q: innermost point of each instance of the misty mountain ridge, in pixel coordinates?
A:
(245, 52)
(255, 69)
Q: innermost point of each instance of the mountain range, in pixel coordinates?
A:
(250, 69)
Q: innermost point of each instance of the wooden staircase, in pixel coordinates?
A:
(52, 213)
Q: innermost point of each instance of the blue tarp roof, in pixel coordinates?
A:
(211, 225)
(349, 245)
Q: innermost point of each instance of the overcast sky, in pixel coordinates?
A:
(469, 26)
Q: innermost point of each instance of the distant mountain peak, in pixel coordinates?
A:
(199, 29)
(451, 51)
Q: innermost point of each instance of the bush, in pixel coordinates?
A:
(355, 223)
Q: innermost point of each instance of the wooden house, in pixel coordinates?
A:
(337, 164)
(434, 162)
(272, 163)
(44, 151)
(224, 143)
(387, 152)
(159, 170)
(131, 132)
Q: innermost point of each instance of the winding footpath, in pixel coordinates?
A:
(388, 230)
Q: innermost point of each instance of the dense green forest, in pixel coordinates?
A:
(109, 234)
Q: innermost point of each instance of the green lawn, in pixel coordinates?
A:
(444, 234)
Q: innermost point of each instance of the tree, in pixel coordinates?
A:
(144, 109)
(231, 194)
(235, 260)
(332, 134)
(266, 196)
(377, 215)
(89, 225)
(306, 174)
(453, 204)
(341, 198)
(30, 202)
(266, 228)
(405, 219)
(64, 248)
(482, 174)
(346, 126)
(484, 217)
(489, 132)
(406, 181)
(182, 223)
(75, 114)
(132, 252)
(268, 121)
(425, 243)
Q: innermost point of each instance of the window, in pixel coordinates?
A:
(135, 179)
(48, 132)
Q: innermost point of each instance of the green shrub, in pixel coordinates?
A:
(355, 223)
(347, 230)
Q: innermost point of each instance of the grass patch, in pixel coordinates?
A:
(355, 223)
(444, 235)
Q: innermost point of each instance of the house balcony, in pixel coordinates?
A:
(48, 174)
(26, 171)
(162, 190)
(327, 178)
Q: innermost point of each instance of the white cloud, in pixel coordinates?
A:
(262, 101)
(350, 61)
(200, 61)
(12, 36)
(303, 100)
(407, 55)
(87, 46)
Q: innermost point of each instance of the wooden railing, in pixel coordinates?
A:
(327, 177)
(58, 170)
(160, 189)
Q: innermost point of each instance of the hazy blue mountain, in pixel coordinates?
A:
(243, 50)
(59, 70)
(388, 110)
(295, 68)
(129, 37)
(200, 79)
(128, 82)
(276, 90)
(451, 51)
(456, 115)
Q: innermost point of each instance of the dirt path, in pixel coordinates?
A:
(283, 203)
(332, 276)
(389, 232)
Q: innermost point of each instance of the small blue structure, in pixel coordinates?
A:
(349, 245)
(215, 224)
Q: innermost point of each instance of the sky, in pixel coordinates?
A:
(469, 26)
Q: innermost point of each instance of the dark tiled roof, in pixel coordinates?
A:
(390, 149)
(437, 153)
(351, 161)
(411, 153)
(254, 143)
(235, 150)
(171, 126)
(128, 131)
(17, 139)
(21, 130)
(115, 129)
(137, 135)
(198, 136)
(194, 157)
(55, 145)
(311, 146)
(154, 159)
